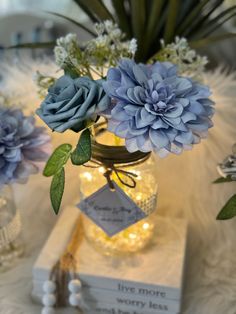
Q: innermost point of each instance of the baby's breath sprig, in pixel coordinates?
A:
(179, 52)
(94, 57)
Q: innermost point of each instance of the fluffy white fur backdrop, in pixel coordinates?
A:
(185, 190)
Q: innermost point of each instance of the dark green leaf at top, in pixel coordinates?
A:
(82, 152)
(57, 160)
(229, 210)
(57, 189)
(223, 180)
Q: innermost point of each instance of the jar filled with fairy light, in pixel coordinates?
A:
(135, 174)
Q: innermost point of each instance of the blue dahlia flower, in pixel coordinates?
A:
(154, 109)
(23, 146)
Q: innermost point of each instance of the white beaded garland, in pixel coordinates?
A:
(75, 299)
(49, 286)
(49, 300)
(74, 286)
(48, 310)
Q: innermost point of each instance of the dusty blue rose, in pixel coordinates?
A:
(155, 109)
(23, 146)
(70, 102)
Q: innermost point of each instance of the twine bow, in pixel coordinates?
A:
(110, 168)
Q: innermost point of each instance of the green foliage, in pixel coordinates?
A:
(223, 180)
(57, 160)
(95, 55)
(57, 189)
(82, 152)
(48, 44)
(74, 22)
(151, 20)
(229, 210)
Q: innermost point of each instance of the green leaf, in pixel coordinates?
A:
(49, 44)
(229, 210)
(212, 24)
(219, 24)
(191, 16)
(87, 11)
(138, 19)
(73, 22)
(199, 23)
(57, 160)
(152, 26)
(223, 180)
(57, 189)
(210, 40)
(170, 26)
(122, 16)
(82, 152)
(95, 9)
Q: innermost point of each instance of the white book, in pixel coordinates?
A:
(154, 274)
(105, 308)
(125, 300)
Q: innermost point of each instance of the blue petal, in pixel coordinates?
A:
(119, 113)
(131, 145)
(114, 74)
(110, 88)
(158, 138)
(122, 129)
(175, 112)
(185, 137)
(159, 123)
(188, 116)
(143, 142)
(139, 75)
(183, 85)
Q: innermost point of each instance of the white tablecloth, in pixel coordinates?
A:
(185, 189)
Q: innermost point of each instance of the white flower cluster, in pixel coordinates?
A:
(110, 40)
(66, 51)
(94, 56)
(189, 62)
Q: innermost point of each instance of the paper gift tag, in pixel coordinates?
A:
(111, 210)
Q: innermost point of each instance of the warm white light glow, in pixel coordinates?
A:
(88, 176)
(132, 236)
(139, 197)
(145, 226)
(101, 169)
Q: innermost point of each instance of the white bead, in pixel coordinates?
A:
(75, 299)
(49, 300)
(48, 310)
(74, 286)
(49, 286)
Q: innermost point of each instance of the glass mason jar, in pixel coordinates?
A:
(11, 244)
(144, 194)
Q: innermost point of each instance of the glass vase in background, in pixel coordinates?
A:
(144, 194)
(11, 243)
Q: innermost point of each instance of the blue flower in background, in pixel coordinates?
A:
(22, 146)
(70, 102)
(154, 109)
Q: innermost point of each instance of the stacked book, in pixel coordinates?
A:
(146, 282)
